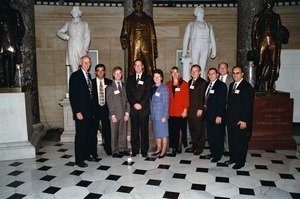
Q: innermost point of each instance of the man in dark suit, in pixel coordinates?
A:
(100, 111)
(225, 77)
(139, 90)
(214, 105)
(80, 89)
(239, 117)
(197, 87)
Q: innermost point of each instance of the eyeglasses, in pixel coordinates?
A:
(236, 73)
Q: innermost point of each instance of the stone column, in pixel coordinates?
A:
(246, 10)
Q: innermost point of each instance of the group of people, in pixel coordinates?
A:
(205, 107)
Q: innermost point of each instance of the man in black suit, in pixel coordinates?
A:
(80, 89)
(100, 111)
(214, 105)
(239, 117)
(195, 117)
(139, 89)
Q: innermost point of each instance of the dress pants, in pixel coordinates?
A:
(118, 136)
(82, 136)
(139, 132)
(215, 136)
(196, 126)
(175, 125)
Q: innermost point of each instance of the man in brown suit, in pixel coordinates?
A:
(197, 87)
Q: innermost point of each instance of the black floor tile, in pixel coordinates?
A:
(267, 183)
(40, 153)
(270, 151)
(255, 155)
(83, 183)
(77, 173)
(185, 162)
(93, 196)
(66, 156)
(71, 164)
(179, 175)
(246, 191)
(263, 167)
(15, 173)
(295, 195)
(298, 169)
(222, 179)
(51, 190)
(16, 196)
(128, 163)
(62, 150)
(15, 164)
(140, 171)
(203, 170)
(172, 195)
(217, 197)
(42, 160)
(277, 161)
(202, 157)
(163, 166)
(15, 184)
(113, 177)
(103, 167)
(125, 189)
(199, 187)
(154, 182)
(44, 168)
(221, 164)
(291, 157)
(150, 159)
(58, 144)
(48, 178)
(286, 176)
(242, 173)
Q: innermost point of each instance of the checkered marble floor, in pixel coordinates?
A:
(53, 174)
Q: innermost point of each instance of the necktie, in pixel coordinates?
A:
(192, 82)
(137, 80)
(207, 95)
(221, 78)
(89, 83)
(121, 94)
(101, 94)
(233, 88)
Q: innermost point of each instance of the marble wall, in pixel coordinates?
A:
(106, 24)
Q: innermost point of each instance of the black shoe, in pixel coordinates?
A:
(179, 150)
(144, 155)
(238, 166)
(117, 155)
(161, 156)
(190, 150)
(90, 159)
(125, 153)
(156, 153)
(197, 152)
(228, 162)
(209, 156)
(82, 164)
(173, 152)
(215, 160)
(226, 153)
(133, 154)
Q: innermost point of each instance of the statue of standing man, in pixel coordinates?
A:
(77, 33)
(12, 31)
(138, 35)
(200, 38)
(267, 36)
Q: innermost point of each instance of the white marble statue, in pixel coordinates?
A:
(199, 37)
(77, 33)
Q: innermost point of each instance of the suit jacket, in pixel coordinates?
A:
(80, 98)
(240, 104)
(196, 96)
(179, 100)
(113, 98)
(139, 93)
(228, 81)
(96, 106)
(160, 103)
(216, 101)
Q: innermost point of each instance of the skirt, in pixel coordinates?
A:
(160, 129)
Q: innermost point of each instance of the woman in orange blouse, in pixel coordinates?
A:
(178, 106)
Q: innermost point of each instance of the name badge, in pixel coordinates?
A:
(105, 86)
(117, 92)
(192, 87)
(141, 82)
(212, 91)
(237, 91)
(157, 94)
(177, 89)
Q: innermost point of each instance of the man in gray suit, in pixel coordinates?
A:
(118, 106)
(225, 77)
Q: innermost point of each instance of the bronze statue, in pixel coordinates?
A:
(138, 35)
(267, 36)
(12, 31)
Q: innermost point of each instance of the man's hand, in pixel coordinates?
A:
(199, 112)
(242, 124)
(79, 116)
(218, 120)
(137, 106)
(114, 119)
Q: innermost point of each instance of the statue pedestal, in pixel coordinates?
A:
(272, 121)
(16, 128)
(69, 124)
(186, 64)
